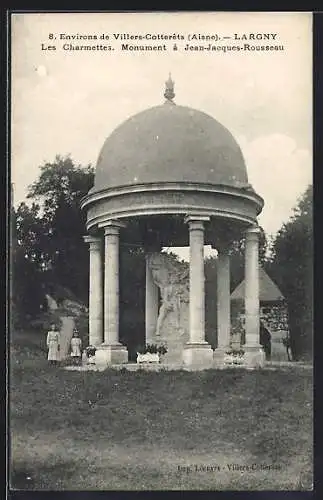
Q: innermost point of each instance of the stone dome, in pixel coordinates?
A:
(165, 164)
(169, 144)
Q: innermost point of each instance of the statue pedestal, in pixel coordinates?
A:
(111, 355)
(254, 356)
(219, 357)
(174, 339)
(198, 356)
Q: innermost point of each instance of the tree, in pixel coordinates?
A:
(27, 289)
(59, 189)
(30, 233)
(237, 258)
(47, 248)
(291, 266)
(27, 292)
(53, 256)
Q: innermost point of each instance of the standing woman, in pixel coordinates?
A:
(76, 344)
(53, 340)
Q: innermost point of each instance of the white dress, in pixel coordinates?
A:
(53, 345)
(76, 347)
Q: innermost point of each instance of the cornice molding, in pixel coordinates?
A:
(181, 187)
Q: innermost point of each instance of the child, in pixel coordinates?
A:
(76, 344)
(52, 342)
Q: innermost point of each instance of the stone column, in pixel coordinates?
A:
(197, 279)
(111, 351)
(151, 306)
(197, 352)
(223, 305)
(253, 351)
(95, 291)
(111, 285)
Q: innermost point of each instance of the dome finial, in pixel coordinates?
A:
(169, 90)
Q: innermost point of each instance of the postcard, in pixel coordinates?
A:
(161, 302)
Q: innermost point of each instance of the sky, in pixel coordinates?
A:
(67, 102)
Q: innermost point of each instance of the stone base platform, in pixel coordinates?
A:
(107, 355)
(133, 367)
(198, 356)
(254, 356)
(85, 368)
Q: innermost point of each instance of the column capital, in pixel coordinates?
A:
(196, 222)
(252, 232)
(111, 226)
(95, 242)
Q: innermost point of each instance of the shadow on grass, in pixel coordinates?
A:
(25, 476)
(76, 475)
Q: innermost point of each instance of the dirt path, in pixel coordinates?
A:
(66, 335)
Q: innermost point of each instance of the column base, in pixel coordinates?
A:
(254, 356)
(96, 333)
(95, 342)
(198, 356)
(219, 356)
(111, 355)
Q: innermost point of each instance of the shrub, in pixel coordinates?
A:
(152, 349)
(162, 349)
(44, 321)
(232, 352)
(90, 350)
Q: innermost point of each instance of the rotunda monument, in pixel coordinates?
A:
(172, 176)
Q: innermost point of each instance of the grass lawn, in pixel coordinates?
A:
(157, 431)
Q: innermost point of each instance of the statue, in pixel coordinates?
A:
(172, 278)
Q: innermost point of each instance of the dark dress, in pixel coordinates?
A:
(265, 341)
